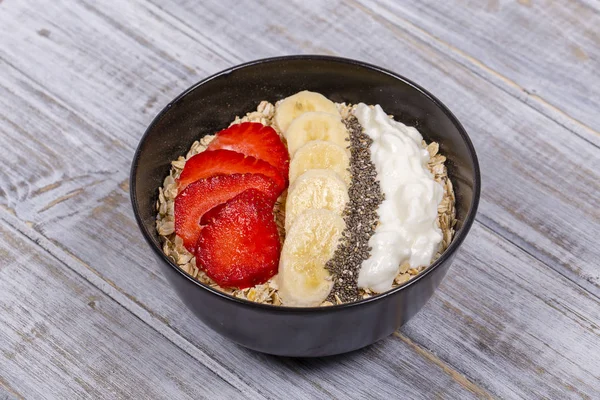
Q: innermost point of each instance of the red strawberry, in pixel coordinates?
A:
(204, 194)
(239, 245)
(256, 140)
(226, 162)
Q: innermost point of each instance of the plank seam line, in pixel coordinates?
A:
(501, 235)
(135, 308)
(486, 73)
(454, 373)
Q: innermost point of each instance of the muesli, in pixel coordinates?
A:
(307, 202)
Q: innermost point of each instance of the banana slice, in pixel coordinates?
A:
(319, 154)
(303, 280)
(316, 126)
(292, 107)
(315, 189)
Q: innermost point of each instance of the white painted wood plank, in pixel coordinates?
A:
(108, 60)
(60, 337)
(549, 50)
(514, 326)
(100, 215)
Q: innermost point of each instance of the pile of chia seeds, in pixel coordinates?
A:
(360, 216)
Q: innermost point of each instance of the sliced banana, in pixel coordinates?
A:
(291, 107)
(319, 154)
(303, 280)
(316, 126)
(315, 189)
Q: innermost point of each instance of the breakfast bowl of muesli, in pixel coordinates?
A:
(305, 205)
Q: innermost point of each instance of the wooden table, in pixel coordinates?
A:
(85, 314)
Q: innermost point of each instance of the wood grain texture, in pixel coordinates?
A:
(60, 337)
(7, 393)
(549, 51)
(513, 325)
(81, 80)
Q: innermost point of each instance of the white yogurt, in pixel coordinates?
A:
(408, 229)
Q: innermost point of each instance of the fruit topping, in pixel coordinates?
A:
(319, 154)
(239, 244)
(256, 140)
(314, 189)
(226, 162)
(309, 244)
(204, 194)
(302, 102)
(316, 126)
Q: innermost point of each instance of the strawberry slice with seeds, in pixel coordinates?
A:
(239, 245)
(256, 140)
(204, 194)
(226, 162)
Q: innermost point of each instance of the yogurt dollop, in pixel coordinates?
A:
(408, 229)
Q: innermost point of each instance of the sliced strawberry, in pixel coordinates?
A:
(239, 245)
(226, 162)
(256, 140)
(204, 194)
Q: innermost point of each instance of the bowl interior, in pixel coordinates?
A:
(213, 103)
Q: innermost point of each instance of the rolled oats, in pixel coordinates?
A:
(267, 293)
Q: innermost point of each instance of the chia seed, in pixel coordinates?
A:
(360, 216)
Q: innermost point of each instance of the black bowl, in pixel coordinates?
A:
(210, 105)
